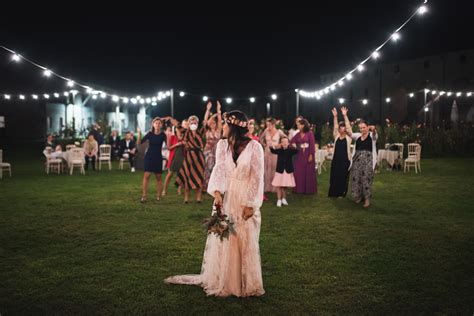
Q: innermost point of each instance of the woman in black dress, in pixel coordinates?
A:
(153, 157)
(341, 159)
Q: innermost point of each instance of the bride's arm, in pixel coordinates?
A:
(216, 186)
(254, 194)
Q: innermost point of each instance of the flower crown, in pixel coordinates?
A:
(234, 120)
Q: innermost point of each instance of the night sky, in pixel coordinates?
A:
(231, 54)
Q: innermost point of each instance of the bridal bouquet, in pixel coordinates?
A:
(218, 223)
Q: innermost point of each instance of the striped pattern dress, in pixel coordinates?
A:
(191, 174)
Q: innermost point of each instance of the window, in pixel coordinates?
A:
(427, 64)
(2, 121)
(49, 122)
(60, 122)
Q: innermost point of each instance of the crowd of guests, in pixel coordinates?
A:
(289, 156)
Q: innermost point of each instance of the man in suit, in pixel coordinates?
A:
(128, 150)
(114, 142)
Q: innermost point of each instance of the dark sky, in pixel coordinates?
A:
(235, 54)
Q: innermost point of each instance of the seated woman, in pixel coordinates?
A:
(91, 147)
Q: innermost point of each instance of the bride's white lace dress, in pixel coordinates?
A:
(232, 266)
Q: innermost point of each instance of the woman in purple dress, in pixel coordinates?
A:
(305, 167)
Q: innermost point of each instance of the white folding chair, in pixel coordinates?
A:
(70, 146)
(4, 166)
(123, 160)
(76, 160)
(53, 164)
(105, 153)
(414, 157)
(401, 148)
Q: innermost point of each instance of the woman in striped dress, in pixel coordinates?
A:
(191, 174)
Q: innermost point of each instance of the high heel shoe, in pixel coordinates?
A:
(142, 199)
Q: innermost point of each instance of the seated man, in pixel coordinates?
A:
(114, 142)
(50, 142)
(128, 150)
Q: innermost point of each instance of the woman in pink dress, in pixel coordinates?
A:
(213, 126)
(270, 137)
(232, 266)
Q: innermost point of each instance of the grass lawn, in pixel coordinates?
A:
(84, 244)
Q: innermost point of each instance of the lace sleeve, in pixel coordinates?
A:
(254, 194)
(218, 177)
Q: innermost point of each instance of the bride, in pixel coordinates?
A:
(232, 266)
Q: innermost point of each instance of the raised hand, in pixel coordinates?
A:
(209, 106)
(218, 107)
(344, 111)
(334, 112)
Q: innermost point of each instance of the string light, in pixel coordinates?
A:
(94, 97)
(148, 100)
(168, 93)
(375, 55)
(458, 94)
(274, 96)
(125, 100)
(360, 68)
(70, 83)
(434, 92)
(449, 93)
(426, 109)
(228, 100)
(22, 97)
(7, 97)
(388, 100)
(115, 98)
(103, 95)
(349, 76)
(16, 57)
(205, 98)
(142, 101)
(134, 100)
(46, 96)
(181, 94)
(365, 101)
(341, 100)
(252, 99)
(66, 93)
(395, 36)
(411, 95)
(469, 94)
(422, 10)
(35, 96)
(47, 73)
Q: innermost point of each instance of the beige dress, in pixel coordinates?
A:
(232, 266)
(267, 141)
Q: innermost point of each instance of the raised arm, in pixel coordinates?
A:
(335, 130)
(219, 117)
(347, 123)
(206, 115)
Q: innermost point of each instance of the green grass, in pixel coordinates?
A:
(83, 244)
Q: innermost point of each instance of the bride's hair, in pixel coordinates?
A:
(237, 122)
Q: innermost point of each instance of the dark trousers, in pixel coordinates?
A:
(131, 159)
(92, 160)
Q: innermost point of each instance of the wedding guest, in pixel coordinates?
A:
(284, 178)
(50, 142)
(213, 126)
(176, 156)
(364, 160)
(270, 137)
(153, 157)
(191, 174)
(91, 148)
(114, 142)
(304, 164)
(128, 150)
(341, 156)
